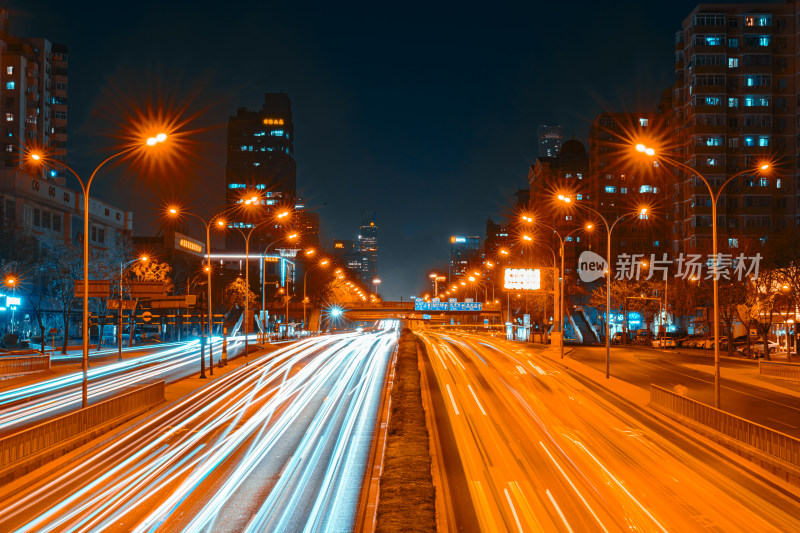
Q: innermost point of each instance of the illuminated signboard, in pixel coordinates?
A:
(465, 306)
(273, 121)
(338, 245)
(522, 279)
(270, 259)
(455, 239)
(189, 245)
(11, 300)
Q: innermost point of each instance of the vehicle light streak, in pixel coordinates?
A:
(150, 476)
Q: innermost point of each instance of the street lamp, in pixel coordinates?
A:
(122, 267)
(376, 282)
(219, 222)
(642, 212)
(561, 280)
(252, 201)
(322, 263)
(290, 237)
(651, 152)
(12, 283)
(85, 188)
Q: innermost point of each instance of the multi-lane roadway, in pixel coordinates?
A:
(278, 445)
(539, 449)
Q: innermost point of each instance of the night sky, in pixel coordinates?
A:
(427, 115)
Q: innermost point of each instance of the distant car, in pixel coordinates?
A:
(664, 343)
(757, 349)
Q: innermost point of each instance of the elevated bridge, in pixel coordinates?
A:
(405, 310)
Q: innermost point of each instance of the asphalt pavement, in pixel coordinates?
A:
(543, 449)
(768, 401)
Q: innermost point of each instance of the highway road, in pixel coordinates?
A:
(643, 366)
(39, 400)
(541, 449)
(280, 444)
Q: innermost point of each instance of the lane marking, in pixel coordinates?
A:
(476, 400)
(511, 504)
(782, 422)
(563, 518)
(452, 400)
(573, 486)
(521, 370)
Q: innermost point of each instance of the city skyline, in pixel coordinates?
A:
(333, 125)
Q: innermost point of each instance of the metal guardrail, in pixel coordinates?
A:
(774, 369)
(767, 440)
(24, 364)
(31, 441)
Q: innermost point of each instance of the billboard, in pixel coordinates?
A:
(522, 279)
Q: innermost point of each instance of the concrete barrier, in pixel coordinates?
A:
(27, 449)
(26, 364)
(774, 369)
(774, 443)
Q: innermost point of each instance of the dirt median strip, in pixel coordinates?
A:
(407, 495)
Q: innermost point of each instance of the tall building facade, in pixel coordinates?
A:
(33, 99)
(465, 252)
(368, 247)
(620, 187)
(550, 138)
(260, 161)
(735, 103)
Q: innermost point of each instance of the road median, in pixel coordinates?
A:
(407, 494)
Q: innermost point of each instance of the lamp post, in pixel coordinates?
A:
(528, 219)
(322, 263)
(122, 267)
(288, 238)
(376, 282)
(85, 188)
(651, 152)
(207, 224)
(251, 201)
(609, 229)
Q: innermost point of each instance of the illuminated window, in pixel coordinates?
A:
(645, 188)
(778, 183)
(276, 133)
(643, 122)
(10, 85)
(713, 40)
(733, 102)
(763, 140)
(713, 141)
(712, 161)
(733, 62)
(749, 141)
(9, 70)
(579, 197)
(623, 190)
(763, 182)
(9, 117)
(763, 40)
(610, 189)
(733, 243)
(712, 100)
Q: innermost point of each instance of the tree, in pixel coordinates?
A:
(237, 294)
(66, 262)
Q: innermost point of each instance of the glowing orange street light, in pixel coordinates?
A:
(527, 238)
(86, 189)
(651, 152)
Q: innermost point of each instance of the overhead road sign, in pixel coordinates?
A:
(97, 288)
(183, 301)
(148, 289)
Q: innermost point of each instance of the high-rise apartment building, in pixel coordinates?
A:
(550, 138)
(735, 103)
(33, 99)
(621, 185)
(368, 247)
(260, 161)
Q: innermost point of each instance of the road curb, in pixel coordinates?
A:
(370, 492)
(444, 510)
